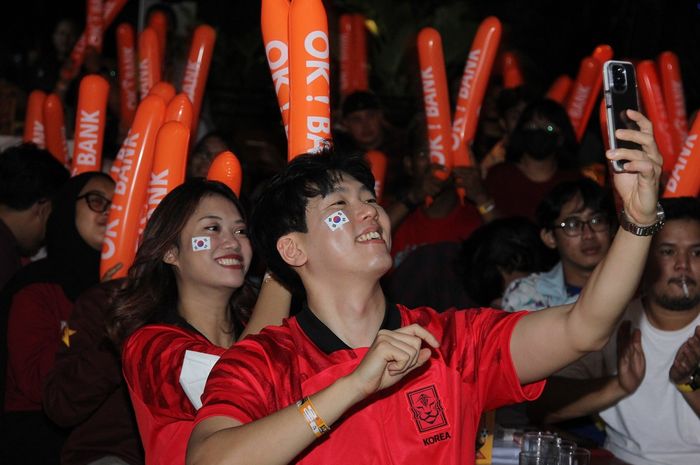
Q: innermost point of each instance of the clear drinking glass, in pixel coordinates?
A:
(539, 443)
(576, 456)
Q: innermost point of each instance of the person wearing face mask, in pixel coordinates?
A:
(540, 155)
(42, 297)
(185, 301)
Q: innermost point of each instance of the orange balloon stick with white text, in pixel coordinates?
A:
(110, 10)
(672, 86)
(378, 164)
(197, 71)
(126, 58)
(435, 99)
(34, 119)
(309, 78)
(226, 168)
(655, 109)
(90, 119)
(55, 128)
(578, 105)
(560, 88)
(159, 23)
(169, 163)
(684, 179)
(179, 109)
(149, 61)
(94, 24)
(274, 18)
(475, 79)
(512, 73)
(136, 155)
(163, 89)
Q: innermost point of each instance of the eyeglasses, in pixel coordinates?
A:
(96, 202)
(573, 226)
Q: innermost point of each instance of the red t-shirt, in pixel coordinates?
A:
(419, 229)
(152, 361)
(430, 417)
(38, 316)
(515, 194)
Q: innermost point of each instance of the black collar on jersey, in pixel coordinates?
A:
(326, 340)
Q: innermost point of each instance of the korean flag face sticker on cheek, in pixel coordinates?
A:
(336, 220)
(201, 243)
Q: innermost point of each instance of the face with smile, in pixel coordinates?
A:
(674, 258)
(91, 210)
(225, 261)
(358, 246)
(581, 247)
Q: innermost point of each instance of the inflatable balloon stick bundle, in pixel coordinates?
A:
(226, 169)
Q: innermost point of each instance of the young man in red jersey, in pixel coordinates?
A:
(395, 385)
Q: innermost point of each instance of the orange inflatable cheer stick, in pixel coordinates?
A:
(560, 88)
(275, 23)
(435, 99)
(655, 109)
(475, 79)
(578, 105)
(110, 10)
(179, 109)
(197, 70)
(34, 119)
(55, 129)
(685, 176)
(136, 156)
(90, 118)
(672, 87)
(309, 68)
(346, 63)
(149, 61)
(159, 23)
(94, 24)
(359, 49)
(512, 72)
(169, 163)
(378, 164)
(226, 168)
(126, 57)
(164, 90)
(603, 53)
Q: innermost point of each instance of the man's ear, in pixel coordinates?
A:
(42, 208)
(170, 257)
(291, 250)
(547, 236)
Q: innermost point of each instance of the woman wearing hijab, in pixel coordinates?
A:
(42, 297)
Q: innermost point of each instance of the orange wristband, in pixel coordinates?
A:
(316, 423)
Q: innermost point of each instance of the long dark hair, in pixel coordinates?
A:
(150, 294)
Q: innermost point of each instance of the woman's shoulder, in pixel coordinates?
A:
(166, 337)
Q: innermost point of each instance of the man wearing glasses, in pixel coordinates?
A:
(576, 219)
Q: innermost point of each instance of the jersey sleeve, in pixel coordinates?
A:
(243, 383)
(152, 362)
(484, 359)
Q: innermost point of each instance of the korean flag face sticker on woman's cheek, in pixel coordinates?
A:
(201, 243)
(336, 220)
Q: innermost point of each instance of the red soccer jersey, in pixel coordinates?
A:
(152, 361)
(430, 417)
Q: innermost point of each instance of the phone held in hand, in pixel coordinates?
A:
(620, 91)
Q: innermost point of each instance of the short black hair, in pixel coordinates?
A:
(505, 244)
(360, 100)
(681, 208)
(29, 174)
(594, 196)
(281, 208)
(554, 112)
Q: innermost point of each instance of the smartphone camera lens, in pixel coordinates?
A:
(619, 78)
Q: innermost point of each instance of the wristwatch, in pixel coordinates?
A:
(694, 382)
(637, 230)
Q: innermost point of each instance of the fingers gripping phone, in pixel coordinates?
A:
(620, 91)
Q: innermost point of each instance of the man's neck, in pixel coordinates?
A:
(668, 320)
(354, 313)
(537, 170)
(574, 276)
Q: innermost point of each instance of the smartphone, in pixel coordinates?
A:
(620, 92)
